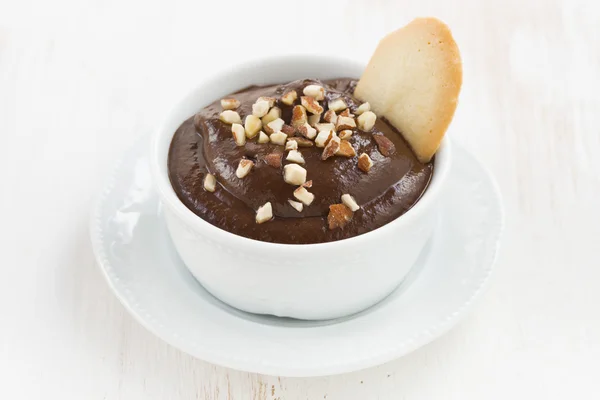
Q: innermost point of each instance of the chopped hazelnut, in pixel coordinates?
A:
(295, 156)
(338, 104)
(270, 100)
(345, 134)
(278, 138)
(323, 138)
(230, 117)
(272, 115)
(288, 130)
(325, 127)
(230, 104)
(260, 108)
(346, 149)
(314, 119)
(274, 160)
(350, 202)
(330, 116)
(264, 213)
(298, 116)
(346, 113)
(239, 134)
(289, 97)
(294, 174)
(366, 121)
(302, 142)
(210, 183)
(385, 145)
(296, 205)
(291, 145)
(311, 105)
(344, 123)
(364, 107)
(252, 126)
(364, 162)
(244, 168)
(339, 215)
(331, 148)
(307, 131)
(274, 126)
(304, 195)
(263, 138)
(315, 91)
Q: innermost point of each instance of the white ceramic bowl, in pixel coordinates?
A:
(314, 281)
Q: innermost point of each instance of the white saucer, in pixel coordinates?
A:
(140, 264)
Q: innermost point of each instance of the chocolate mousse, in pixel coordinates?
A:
(300, 162)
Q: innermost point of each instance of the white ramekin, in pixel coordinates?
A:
(315, 281)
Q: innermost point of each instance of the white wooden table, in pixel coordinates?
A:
(80, 81)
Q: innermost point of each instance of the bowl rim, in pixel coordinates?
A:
(162, 183)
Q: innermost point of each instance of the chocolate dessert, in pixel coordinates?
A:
(297, 163)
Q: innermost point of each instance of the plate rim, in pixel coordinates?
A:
(125, 296)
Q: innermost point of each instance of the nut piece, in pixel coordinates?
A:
(339, 216)
(350, 202)
(278, 138)
(385, 145)
(252, 126)
(364, 162)
(346, 113)
(311, 105)
(291, 145)
(274, 159)
(307, 184)
(323, 138)
(314, 119)
(294, 174)
(304, 195)
(315, 91)
(210, 183)
(344, 123)
(345, 134)
(264, 213)
(272, 115)
(298, 116)
(230, 104)
(363, 108)
(270, 100)
(325, 127)
(338, 104)
(297, 205)
(346, 149)
(302, 142)
(366, 121)
(260, 108)
(239, 134)
(244, 168)
(289, 98)
(230, 117)
(307, 131)
(263, 138)
(295, 156)
(288, 130)
(274, 126)
(330, 116)
(331, 148)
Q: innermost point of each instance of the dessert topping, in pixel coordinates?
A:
(273, 159)
(307, 131)
(385, 145)
(272, 115)
(295, 156)
(346, 149)
(294, 174)
(244, 168)
(344, 123)
(304, 195)
(345, 134)
(210, 183)
(331, 148)
(278, 138)
(260, 108)
(264, 213)
(315, 91)
(289, 97)
(366, 121)
(298, 116)
(339, 215)
(323, 138)
(363, 108)
(230, 104)
(337, 105)
(311, 105)
(314, 119)
(291, 145)
(263, 138)
(330, 116)
(252, 126)
(297, 205)
(274, 126)
(270, 100)
(350, 202)
(239, 134)
(230, 117)
(364, 162)
(302, 142)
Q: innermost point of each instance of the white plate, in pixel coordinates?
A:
(140, 264)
